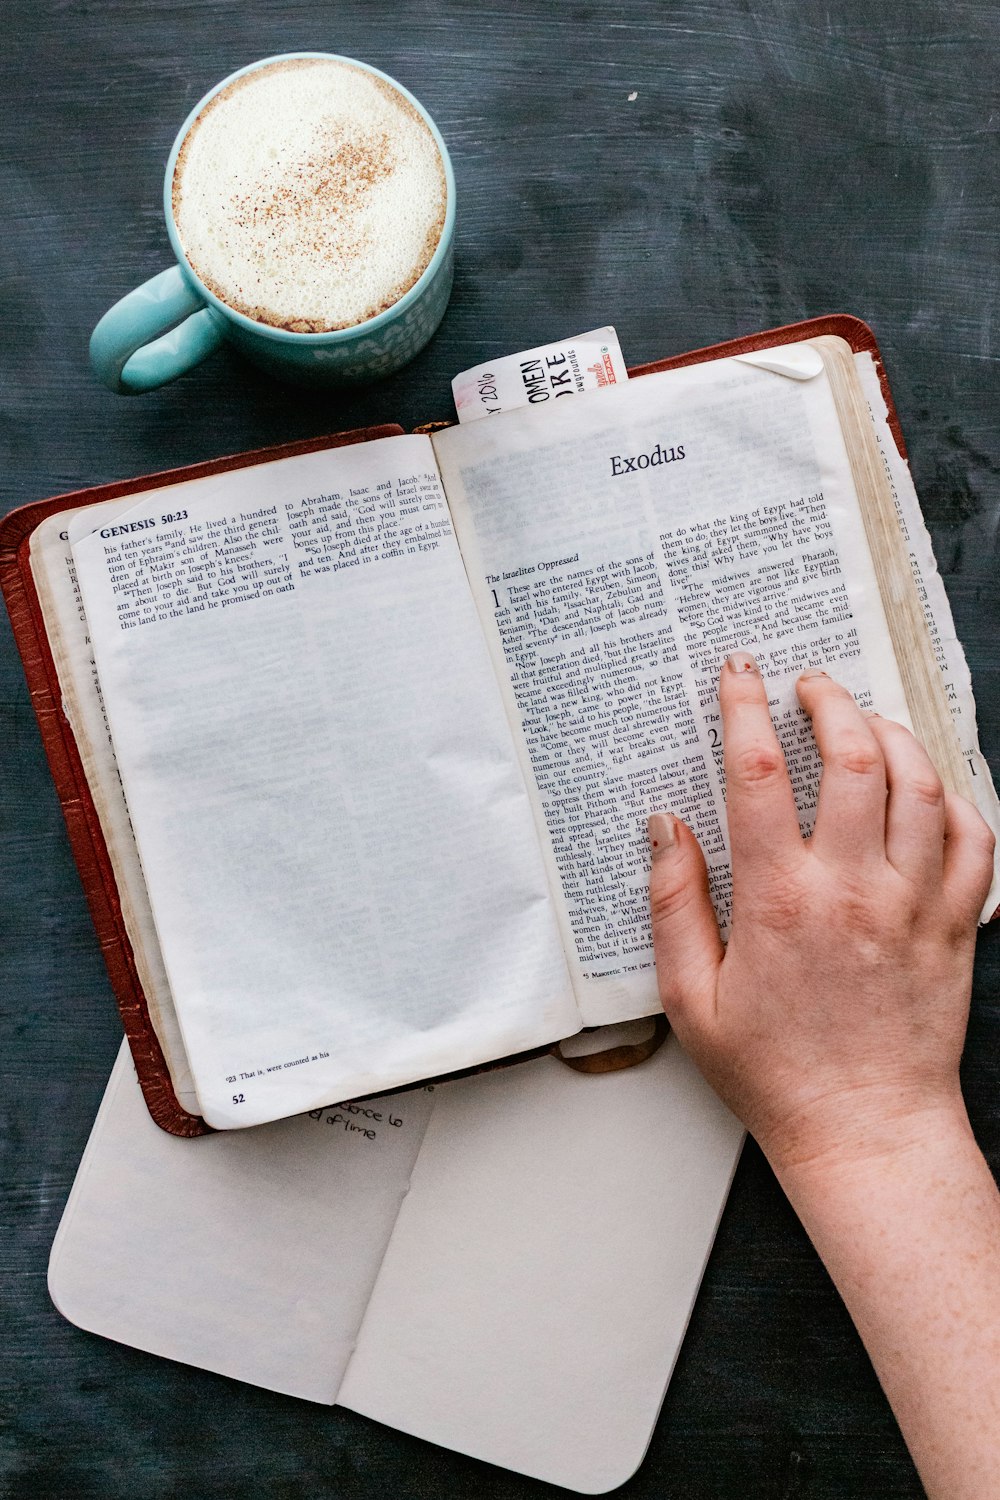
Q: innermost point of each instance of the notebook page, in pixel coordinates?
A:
(544, 1264)
(251, 1253)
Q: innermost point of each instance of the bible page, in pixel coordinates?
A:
(948, 650)
(333, 827)
(620, 546)
(61, 604)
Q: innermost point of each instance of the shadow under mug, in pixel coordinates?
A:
(173, 321)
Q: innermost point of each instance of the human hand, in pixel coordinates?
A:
(833, 1021)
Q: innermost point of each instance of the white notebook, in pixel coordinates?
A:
(504, 1265)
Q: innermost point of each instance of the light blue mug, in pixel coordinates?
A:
(173, 321)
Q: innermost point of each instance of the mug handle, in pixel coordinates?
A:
(153, 334)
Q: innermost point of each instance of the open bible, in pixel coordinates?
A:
(389, 716)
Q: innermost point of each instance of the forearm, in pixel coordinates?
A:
(832, 1024)
(911, 1237)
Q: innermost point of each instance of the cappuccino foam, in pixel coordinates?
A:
(309, 195)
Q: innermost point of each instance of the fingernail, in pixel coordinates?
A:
(814, 672)
(662, 831)
(742, 661)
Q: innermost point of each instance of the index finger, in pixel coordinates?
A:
(760, 804)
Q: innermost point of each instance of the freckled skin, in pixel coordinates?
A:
(833, 1024)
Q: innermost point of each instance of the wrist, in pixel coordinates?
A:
(900, 1146)
(866, 1131)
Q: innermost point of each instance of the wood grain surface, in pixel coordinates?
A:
(688, 172)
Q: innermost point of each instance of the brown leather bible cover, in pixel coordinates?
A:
(85, 835)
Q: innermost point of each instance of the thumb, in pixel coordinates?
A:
(686, 938)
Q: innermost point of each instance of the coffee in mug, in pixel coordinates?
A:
(309, 201)
(309, 195)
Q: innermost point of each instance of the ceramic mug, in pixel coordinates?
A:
(174, 321)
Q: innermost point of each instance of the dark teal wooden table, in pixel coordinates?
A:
(686, 171)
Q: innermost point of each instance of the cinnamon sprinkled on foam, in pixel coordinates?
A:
(309, 195)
